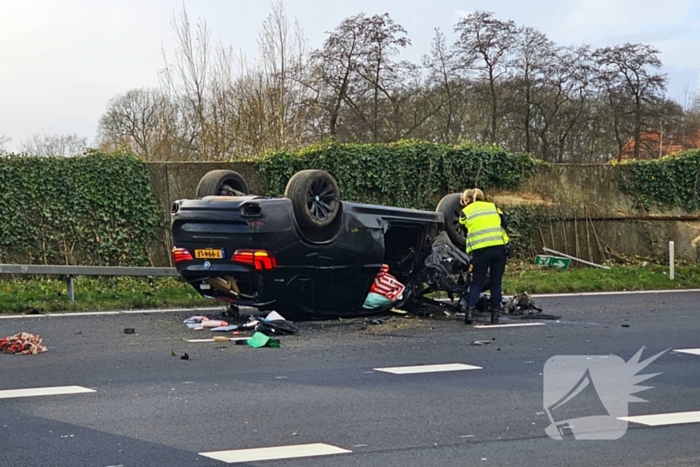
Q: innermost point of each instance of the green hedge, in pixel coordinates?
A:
(671, 181)
(411, 174)
(96, 209)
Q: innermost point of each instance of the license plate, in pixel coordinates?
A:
(209, 253)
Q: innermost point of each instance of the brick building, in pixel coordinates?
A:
(653, 145)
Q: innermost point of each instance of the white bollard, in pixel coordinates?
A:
(670, 260)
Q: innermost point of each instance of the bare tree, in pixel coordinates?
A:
(54, 145)
(447, 94)
(4, 141)
(483, 47)
(138, 122)
(561, 104)
(335, 67)
(629, 74)
(533, 62)
(382, 39)
(185, 83)
(356, 70)
(283, 65)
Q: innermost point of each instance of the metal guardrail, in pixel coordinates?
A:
(69, 272)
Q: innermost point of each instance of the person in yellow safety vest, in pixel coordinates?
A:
(488, 245)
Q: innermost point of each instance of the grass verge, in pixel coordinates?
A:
(533, 279)
(96, 294)
(22, 295)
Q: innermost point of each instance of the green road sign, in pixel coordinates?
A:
(552, 261)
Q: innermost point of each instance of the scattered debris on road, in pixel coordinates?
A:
(229, 328)
(185, 356)
(521, 303)
(481, 343)
(22, 343)
(129, 330)
(275, 324)
(261, 340)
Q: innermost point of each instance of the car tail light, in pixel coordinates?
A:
(181, 254)
(260, 259)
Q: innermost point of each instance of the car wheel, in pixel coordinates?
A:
(450, 208)
(222, 183)
(315, 198)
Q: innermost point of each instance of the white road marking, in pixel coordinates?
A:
(197, 341)
(279, 452)
(514, 325)
(212, 309)
(49, 391)
(117, 312)
(690, 351)
(405, 370)
(595, 294)
(664, 419)
(626, 292)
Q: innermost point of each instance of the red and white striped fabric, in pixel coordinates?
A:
(386, 285)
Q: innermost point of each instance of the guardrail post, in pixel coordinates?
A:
(671, 261)
(71, 288)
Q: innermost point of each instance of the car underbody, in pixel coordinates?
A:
(258, 251)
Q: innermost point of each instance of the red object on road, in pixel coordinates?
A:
(22, 343)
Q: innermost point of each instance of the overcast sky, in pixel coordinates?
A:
(62, 60)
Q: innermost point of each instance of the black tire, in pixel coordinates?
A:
(315, 198)
(222, 183)
(450, 208)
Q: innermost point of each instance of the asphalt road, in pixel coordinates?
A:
(323, 387)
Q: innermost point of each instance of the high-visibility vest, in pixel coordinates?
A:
(483, 223)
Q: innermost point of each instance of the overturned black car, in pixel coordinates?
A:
(309, 255)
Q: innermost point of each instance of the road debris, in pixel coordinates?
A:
(275, 324)
(480, 343)
(129, 330)
(229, 328)
(185, 356)
(521, 303)
(261, 340)
(22, 343)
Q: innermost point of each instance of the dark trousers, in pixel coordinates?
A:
(491, 260)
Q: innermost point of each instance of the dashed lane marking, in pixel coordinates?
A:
(274, 453)
(663, 419)
(48, 391)
(513, 325)
(689, 351)
(405, 370)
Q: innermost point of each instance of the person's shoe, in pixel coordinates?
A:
(469, 316)
(495, 315)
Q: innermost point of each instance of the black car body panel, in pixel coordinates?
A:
(311, 279)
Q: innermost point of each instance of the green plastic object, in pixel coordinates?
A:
(261, 340)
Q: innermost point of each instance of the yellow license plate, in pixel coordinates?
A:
(209, 253)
